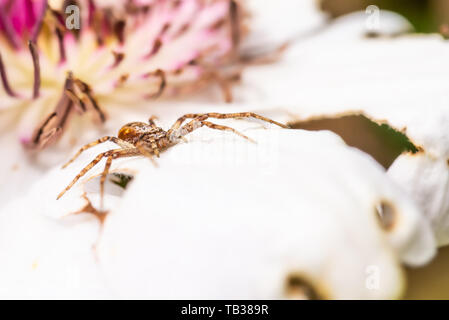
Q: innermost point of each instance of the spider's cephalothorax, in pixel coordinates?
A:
(139, 131)
(142, 139)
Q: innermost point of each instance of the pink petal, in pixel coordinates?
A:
(22, 18)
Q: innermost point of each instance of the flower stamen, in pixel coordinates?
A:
(42, 127)
(85, 88)
(118, 58)
(69, 101)
(234, 13)
(62, 54)
(180, 45)
(163, 84)
(4, 78)
(119, 30)
(76, 100)
(37, 69)
(156, 47)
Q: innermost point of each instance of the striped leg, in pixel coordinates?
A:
(113, 154)
(205, 116)
(196, 123)
(104, 174)
(225, 128)
(82, 173)
(243, 115)
(117, 141)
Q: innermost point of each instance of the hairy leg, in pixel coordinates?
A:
(204, 116)
(104, 174)
(225, 128)
(155, 148)
(117, 141)
(82, 173)
(243, 115)
(196, 123)
(115, 154)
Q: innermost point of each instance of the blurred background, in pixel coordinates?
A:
(425, 15)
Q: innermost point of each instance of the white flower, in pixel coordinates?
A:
(298, 215)
(339, 73)
(221, 218)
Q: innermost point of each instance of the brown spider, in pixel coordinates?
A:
(138, 138)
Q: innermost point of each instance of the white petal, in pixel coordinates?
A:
(384, 79)
(427, 179)
(279, 21)
(221, 218)
(356, 25)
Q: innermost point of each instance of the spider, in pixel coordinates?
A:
(142, 139)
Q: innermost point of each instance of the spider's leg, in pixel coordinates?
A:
(176, 133)
(155, 148)
(112, 155)
(104, 174)
(117, 141)
(237, 115)
(205, 116)
(225, 128)
(146, 151)
(181, 120)
(82, 173)
(151, 120)
(195, 124)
